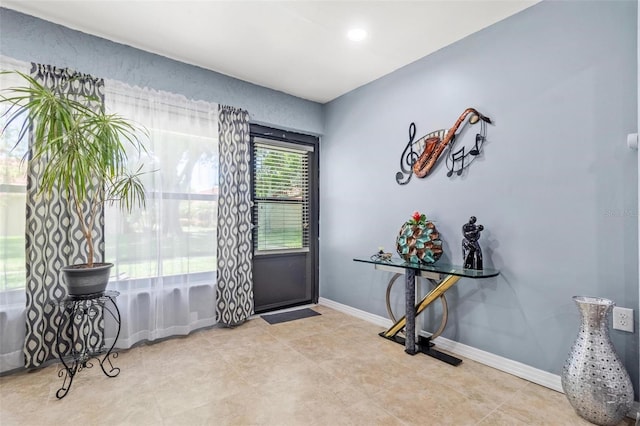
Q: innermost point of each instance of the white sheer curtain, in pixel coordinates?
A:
(165, 255)
(13, 186)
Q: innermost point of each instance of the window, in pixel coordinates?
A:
(13, 184)
(174, 236)
(281, 196)
(175, 233)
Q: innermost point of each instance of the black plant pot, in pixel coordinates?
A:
(82, 280)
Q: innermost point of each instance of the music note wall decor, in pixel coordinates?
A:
(420, 156)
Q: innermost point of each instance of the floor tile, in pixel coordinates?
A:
(331, 369)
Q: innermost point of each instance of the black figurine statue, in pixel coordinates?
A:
(471, 251)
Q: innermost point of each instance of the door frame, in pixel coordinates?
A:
(265, 132)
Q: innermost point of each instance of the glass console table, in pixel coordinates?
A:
(444, 276)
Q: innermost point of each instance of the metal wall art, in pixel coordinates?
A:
(420, 156)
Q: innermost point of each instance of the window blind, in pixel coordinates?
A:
(281, 197)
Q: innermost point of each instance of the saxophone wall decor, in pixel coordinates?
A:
(420, 156)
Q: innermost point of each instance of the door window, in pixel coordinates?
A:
(281, 196)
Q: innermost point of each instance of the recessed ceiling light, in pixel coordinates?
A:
(356, 34)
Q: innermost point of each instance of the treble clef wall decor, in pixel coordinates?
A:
(408, 157)
(433, 144)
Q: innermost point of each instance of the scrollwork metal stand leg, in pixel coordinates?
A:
(113, 371)
(68, 370)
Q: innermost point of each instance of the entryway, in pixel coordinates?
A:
(285, 218)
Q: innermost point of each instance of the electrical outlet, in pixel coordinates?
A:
(623, 319)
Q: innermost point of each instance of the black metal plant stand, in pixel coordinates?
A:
(76, 331)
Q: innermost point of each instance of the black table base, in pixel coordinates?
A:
(425, 346)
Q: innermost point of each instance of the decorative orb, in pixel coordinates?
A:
(419, 243)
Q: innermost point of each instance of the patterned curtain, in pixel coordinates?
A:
(54, 238)
(234, 291)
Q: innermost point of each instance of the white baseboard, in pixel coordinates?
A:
(518, 369)
(372, 318)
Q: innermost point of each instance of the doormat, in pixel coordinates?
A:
(289, 316)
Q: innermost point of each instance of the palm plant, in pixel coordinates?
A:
(82, 149)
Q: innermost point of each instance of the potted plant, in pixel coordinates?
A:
(83, 151)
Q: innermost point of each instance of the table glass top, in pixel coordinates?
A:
(441, 268)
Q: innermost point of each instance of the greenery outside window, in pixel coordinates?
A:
(281, 197)
(173, 238)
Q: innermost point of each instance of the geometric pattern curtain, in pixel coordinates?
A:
(54, 238)
(234, 288)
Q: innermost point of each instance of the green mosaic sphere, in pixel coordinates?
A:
(419, 243)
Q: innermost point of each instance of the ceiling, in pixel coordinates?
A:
(297, 47)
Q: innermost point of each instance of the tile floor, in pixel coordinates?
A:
(331, 369)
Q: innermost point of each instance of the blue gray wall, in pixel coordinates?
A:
(556, 188)
(34, 40)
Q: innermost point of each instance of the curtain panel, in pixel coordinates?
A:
(54, 236)
(165, 267)
(235, 248)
